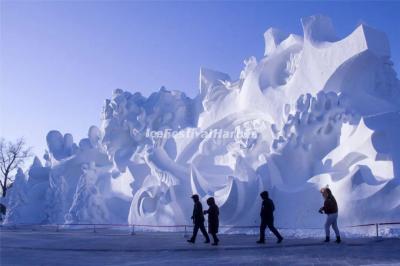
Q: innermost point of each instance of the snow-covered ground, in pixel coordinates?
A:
(23, 247)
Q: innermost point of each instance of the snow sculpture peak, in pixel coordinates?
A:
(60, 146)
(318, 28)
(211, 78)
(273, 37)
(376, 41)
(36, 163)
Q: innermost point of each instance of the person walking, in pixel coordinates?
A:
(198, 220)
(267, 218)
(330, 208)
(213, 220)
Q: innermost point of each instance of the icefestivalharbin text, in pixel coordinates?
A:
(316, 110)
(198, 133)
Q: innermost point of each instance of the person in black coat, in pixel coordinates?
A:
(198, 220)
(267, 218)
(213, 220)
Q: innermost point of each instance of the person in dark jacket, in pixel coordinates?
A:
(213, 220)
(330, 208)
(198, 220)
(267, 218)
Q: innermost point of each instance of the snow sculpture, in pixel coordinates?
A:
(27, 204)
(353, 169)
(60, 146)
(316, 110)
(87, 205)
(16, 201)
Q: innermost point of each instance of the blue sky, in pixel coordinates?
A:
(59, 60)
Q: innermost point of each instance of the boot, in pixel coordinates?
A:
(260, 241)
(338, 240)
(216, 240)
(327, 239)
(279, 240)
(207, 241)
(191, 240)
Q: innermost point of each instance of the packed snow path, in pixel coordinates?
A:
(84, 248)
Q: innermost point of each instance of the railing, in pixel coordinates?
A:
(95, 227)
(184, 228)
(374, 224)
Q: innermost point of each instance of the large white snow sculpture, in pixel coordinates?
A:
(318, 110)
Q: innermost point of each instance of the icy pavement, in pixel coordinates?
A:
(85, 248)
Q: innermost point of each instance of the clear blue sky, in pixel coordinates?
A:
(60, 60)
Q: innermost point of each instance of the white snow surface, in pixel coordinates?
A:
(324, 110)
(111, 247)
